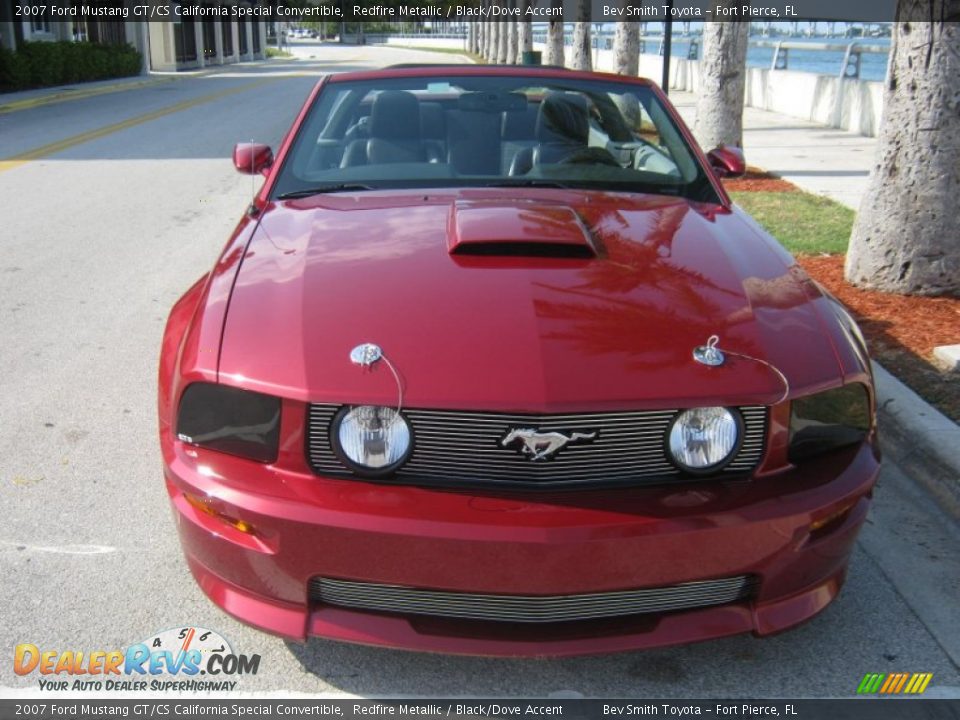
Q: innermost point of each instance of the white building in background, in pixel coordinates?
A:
(221, 36)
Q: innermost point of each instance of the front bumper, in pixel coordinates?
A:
(303, 526)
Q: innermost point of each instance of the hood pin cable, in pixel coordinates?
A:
(714, 356)
(366, 355)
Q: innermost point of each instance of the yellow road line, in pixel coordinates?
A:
(44, 150)
(79, 94)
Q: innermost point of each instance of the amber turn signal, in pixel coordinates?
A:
(207, 508)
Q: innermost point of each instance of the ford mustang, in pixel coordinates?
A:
(493, 365)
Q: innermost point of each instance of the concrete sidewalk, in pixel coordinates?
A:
(819, 159)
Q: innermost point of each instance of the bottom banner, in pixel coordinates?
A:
(853, 709)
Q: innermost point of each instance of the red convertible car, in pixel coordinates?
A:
(492, 365)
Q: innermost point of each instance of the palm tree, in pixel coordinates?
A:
(512, 40)
(723, 73)
(581, 38)
(906, 237)
(492, 49)
(626, 49)
(554, 43)
(473, 37)
(525, 31)
(503, 42)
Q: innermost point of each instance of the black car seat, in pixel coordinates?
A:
(433, 128)
(562, 130)
(517, 132)
(395, 135)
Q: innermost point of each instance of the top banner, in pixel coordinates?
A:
(431, 12)
(619, 10)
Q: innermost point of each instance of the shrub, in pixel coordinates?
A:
(39, 64)
(46, 62)
(14, 71)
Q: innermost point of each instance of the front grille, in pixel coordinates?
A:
(464, 448)
(530, 608)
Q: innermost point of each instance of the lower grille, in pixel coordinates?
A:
(466, 448)
(530, 608)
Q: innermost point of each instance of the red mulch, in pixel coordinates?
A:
(757, 180)
(901, 331)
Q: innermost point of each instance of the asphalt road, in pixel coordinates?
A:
(127, 201)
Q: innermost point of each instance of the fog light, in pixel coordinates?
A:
(371, 439)
(702, 440)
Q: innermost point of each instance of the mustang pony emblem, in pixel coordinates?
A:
(540, 446)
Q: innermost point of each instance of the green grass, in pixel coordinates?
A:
(274, 53)
(805, 224)
(449, 51)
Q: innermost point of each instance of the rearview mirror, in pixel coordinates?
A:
(252, 158)
(727, 161)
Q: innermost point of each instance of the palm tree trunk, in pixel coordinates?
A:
(906, 236)
(723, 73)
(626, 49)
(503, 41)
(554, 44)
(494, 42)
(512, 41)
(525, 31)
(581, 38)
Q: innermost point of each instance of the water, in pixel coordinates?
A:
(873, 66)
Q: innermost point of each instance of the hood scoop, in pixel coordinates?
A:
(518, 230)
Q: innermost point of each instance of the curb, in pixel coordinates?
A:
(920, 439)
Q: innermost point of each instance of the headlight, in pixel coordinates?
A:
(702, 440)
(231, 420)
(370, 439)
(828, 421)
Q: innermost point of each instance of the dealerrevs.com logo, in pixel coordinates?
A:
(180, 659)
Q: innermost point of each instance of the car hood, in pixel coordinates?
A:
(514, 330)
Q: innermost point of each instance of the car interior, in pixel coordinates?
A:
(389, 135)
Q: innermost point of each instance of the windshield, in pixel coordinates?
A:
(462, 131)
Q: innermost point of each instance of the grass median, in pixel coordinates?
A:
(805, 224)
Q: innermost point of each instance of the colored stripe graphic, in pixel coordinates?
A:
(864, 684)
(894, 683)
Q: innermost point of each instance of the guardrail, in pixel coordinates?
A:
(849, 66)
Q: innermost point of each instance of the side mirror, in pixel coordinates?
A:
(252, 158)
(727, 161)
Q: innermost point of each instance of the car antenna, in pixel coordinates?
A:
(253, 182)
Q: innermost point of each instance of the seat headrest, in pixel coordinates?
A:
(563, 118)
(395, 115)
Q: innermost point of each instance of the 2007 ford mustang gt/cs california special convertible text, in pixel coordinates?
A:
(492, 365)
